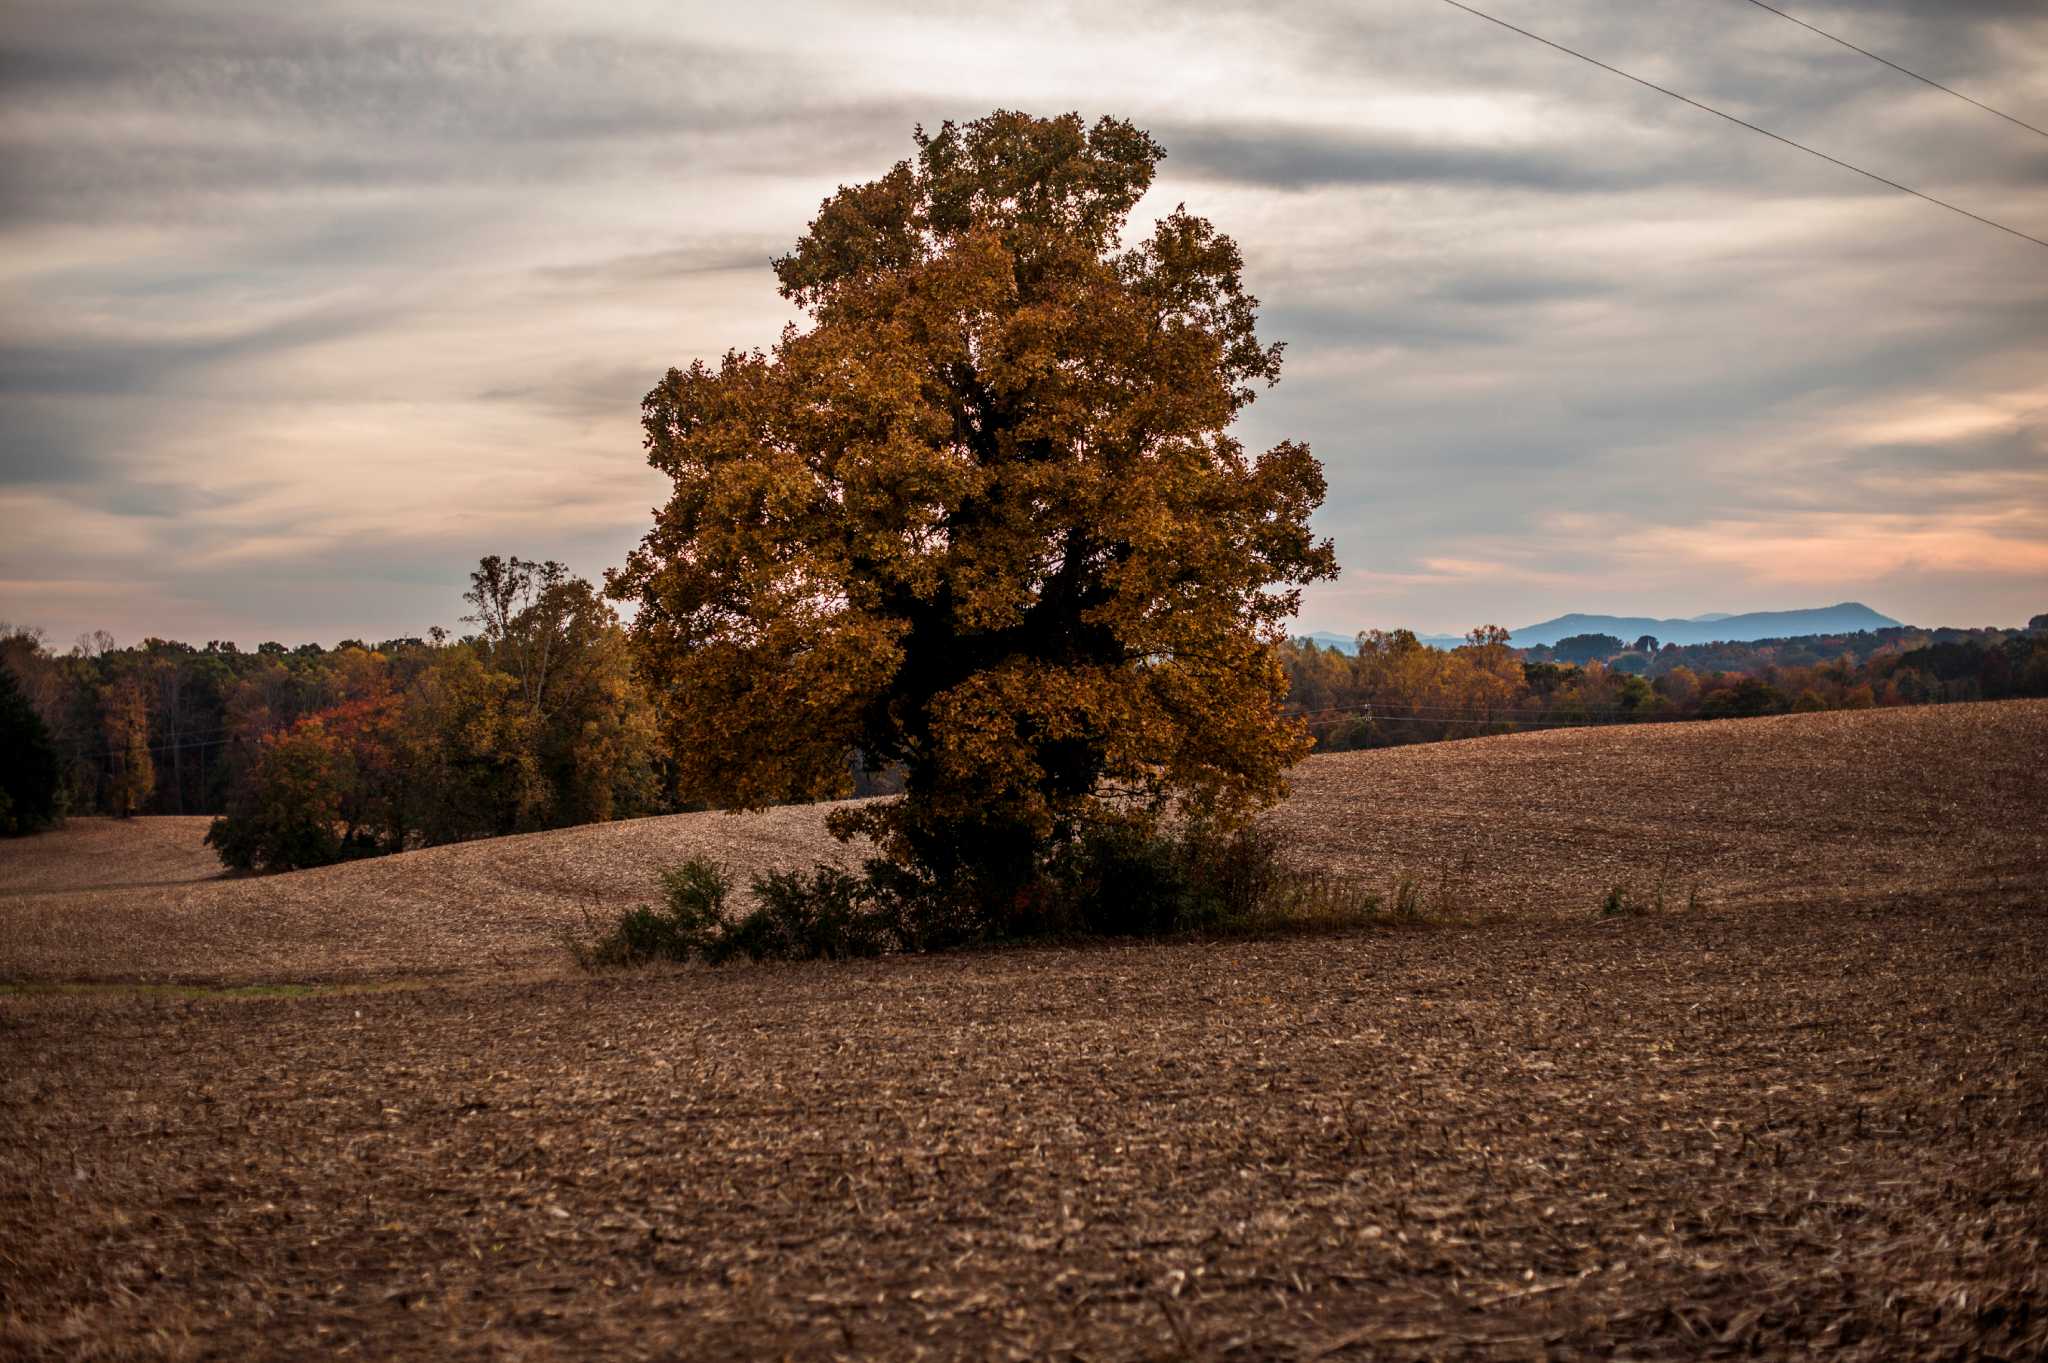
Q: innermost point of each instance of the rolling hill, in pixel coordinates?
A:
(1799, 1118)
(1816, 806)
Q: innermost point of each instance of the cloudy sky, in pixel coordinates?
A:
(303, 308)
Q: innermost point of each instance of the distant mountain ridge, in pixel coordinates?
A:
(1713, 627)
(1848, 617)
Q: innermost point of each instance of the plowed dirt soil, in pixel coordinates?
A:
(1805, 1114)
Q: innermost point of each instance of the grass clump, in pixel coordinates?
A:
(1624, 900)
(1308, 901)
(1434, 895)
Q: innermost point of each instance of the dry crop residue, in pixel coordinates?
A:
(1785, 1130)
(1808, 1118)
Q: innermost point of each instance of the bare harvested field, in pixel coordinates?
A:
(106, 858)
(1807, 1116)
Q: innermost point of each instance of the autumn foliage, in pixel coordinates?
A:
(982, 518)
(1394, 689)
(533, 722)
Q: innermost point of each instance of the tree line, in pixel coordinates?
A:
(537, 719)
(312, 754)
(1396, 689)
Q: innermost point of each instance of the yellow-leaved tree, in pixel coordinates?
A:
(983, 517)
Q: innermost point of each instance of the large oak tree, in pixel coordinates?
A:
(983, 516)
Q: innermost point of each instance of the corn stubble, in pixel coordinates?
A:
(1809, 1115)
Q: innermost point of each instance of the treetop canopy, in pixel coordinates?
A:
(983, 516)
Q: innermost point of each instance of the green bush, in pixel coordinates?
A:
(690, 921)
(696, 893)
(1117, 881)
(645, 935)
(249, 842)
(828, 915)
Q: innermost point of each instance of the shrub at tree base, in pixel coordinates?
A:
(828, 914)
(1121, 881)
(1126, 880)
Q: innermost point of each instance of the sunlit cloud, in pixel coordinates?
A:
(1817, 550)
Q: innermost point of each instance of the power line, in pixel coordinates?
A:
(1505, 725)
(1526, 719)
(80, 755)
(1505, 710)
(1744, 123)
(1924, 80)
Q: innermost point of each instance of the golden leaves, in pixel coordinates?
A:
(983, 517)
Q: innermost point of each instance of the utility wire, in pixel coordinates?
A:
(1433, 707)
(1504, 712)
(82, 756)
(1744, 123)
(1523, 724)
(1401, 715)
(2041, 132)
